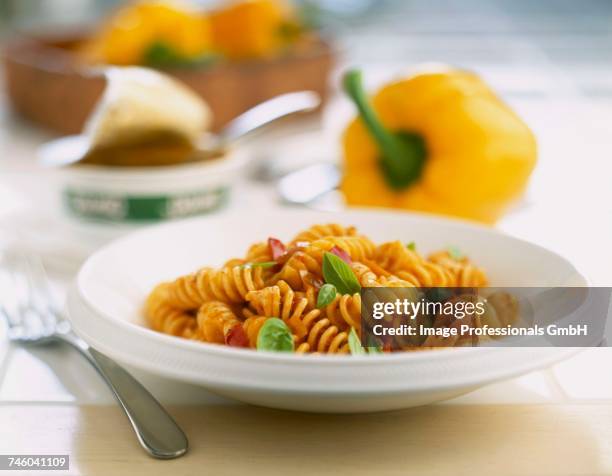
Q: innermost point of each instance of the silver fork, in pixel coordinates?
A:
(34, 319)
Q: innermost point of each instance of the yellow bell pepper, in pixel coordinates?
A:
(125, 39)
(439, 142)
(250, 29)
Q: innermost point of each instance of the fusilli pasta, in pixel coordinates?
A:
(232, 305)
(215, 320)
(164, 317)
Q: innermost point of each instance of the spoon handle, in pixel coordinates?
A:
(269, 111)
(155, 429)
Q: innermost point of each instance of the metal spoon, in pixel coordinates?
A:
(72, 149)
(304, 186)
(268, 112)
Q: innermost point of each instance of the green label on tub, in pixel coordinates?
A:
(130, 208)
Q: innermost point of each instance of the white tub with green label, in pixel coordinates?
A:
(147, 194)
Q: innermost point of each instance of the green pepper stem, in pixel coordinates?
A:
(353, 86)
(401, 156)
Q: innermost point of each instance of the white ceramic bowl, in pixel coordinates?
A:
(140, 194)
(106, 301)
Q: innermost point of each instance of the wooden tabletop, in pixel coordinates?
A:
(237, 440)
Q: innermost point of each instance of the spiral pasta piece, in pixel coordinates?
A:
(282, 302)
(407, 265)
(344, 311)
(373, 276)
(278, 301)
(366, 277)
(324, 337)
(229, 285)
(258, 253)
(164, 318)
(302, 348)
(252, 326)
(463, 272)
(395, 256)
(311, 294)
(183, 293)
(294, 272)
(316, 232)
(425, 274)
(215, 319)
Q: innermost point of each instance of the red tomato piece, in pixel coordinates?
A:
(277, 248)
(340, 253)
(236, 337)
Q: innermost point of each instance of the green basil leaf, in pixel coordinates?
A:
(355, 343)
(263, 264)
(411, 246)
(340, 274)
(375, 350)
(275, 336)
(455, 253)
(327, 294)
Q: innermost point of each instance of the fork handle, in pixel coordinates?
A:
(157, 432)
